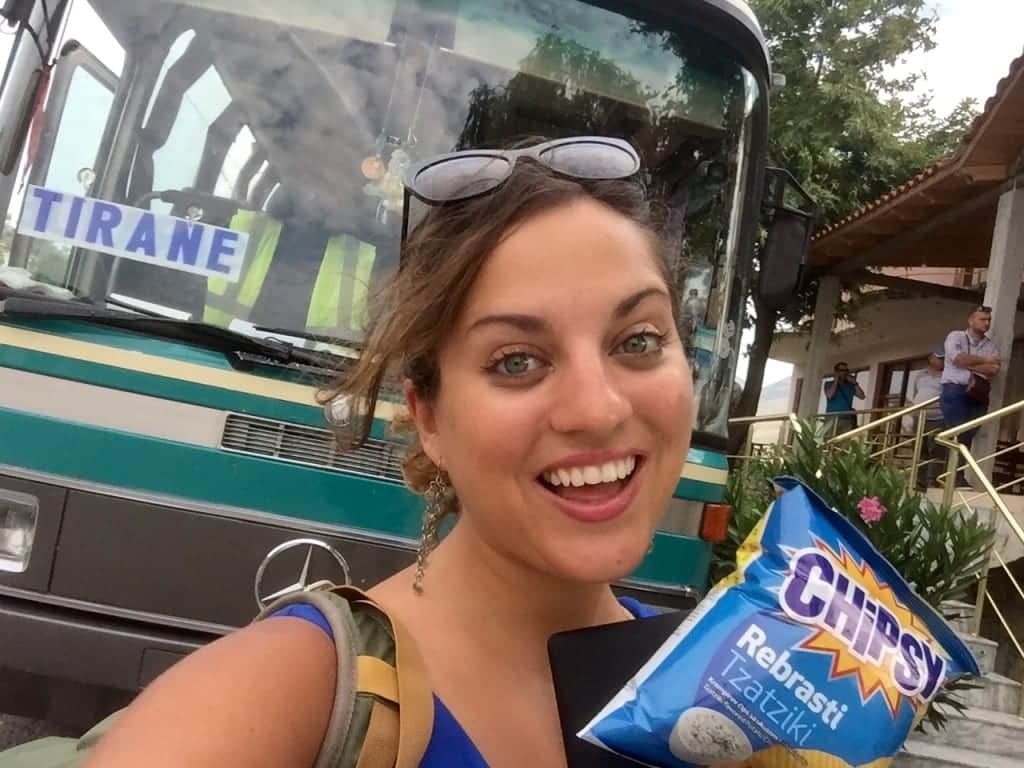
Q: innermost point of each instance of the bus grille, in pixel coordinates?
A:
(311, 447)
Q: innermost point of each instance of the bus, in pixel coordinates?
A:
(201, 197)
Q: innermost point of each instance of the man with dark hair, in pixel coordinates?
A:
(839, 394)
(972, 360)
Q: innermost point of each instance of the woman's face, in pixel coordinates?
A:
(565, 403)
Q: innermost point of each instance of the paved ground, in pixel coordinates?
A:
(18, 730)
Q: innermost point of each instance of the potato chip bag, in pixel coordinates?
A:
(815, 653)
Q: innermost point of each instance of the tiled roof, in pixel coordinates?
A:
(1002, 90)
(990, 145)
(892, 194)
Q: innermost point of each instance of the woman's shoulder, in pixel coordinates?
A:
(279, 672)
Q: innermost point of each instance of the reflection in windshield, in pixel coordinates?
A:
(295, 127)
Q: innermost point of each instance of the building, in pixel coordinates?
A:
(924, 254)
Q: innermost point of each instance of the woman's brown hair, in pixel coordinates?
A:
(415, 313)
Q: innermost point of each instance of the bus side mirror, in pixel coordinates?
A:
(790, 213)
(24, 76)
(14, 11)
(23, 86)
(80, 99)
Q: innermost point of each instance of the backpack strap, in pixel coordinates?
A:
(415, 695)
(339, 618)
(383, 711)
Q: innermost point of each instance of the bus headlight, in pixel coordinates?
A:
(19, 514)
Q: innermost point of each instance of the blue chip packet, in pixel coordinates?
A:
(814, 653)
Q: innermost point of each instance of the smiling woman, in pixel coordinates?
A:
(533, 331)
(272, 140)
(606, 383)
(543, 343)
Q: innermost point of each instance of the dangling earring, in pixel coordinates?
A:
(432, 517)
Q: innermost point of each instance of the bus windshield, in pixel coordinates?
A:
(281, 131)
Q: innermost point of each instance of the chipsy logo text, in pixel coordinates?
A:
(864, 627)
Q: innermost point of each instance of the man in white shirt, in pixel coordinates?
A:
(926, 386)
(972, 360)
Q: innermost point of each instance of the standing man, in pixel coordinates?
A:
(839, 394)
(928, 385)
(971, 362)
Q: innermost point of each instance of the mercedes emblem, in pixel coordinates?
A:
(302, 583)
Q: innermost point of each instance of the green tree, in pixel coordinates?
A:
(844, 124)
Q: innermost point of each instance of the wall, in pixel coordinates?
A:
(904, 327)
(895, 329)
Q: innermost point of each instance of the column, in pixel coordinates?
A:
(1005, 272)
(817, 353)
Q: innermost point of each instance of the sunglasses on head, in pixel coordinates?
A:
(465, 175)
(982, 308)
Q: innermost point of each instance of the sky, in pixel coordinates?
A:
(975, 42)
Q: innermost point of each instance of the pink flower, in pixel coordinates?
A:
(871, 509)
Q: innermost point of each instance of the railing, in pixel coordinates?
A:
(884, 433)
(950, 439)
(892, 444)
(955, 496)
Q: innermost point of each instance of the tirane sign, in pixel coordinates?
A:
(133, 233)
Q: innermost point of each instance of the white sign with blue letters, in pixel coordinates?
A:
(133, 233)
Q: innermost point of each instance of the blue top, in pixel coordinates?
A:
(842, 400)
(450, 746)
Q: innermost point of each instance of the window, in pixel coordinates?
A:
(292, 123)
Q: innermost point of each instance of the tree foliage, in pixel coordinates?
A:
(845, 124)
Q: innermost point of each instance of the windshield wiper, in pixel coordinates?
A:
(242, 351)
(333, 340)
(136, 309)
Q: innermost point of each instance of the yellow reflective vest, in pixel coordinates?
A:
(338, 306)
